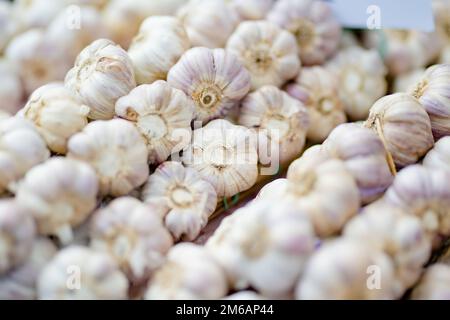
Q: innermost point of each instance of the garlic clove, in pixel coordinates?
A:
(434, 284)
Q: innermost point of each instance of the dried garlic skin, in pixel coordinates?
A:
(225, 155)
(268, 52)
(21, 148)
(264, 245)
(11, 90)
(17, 232)
(317, 89)
(252, 9)
(117, 152)
(162, 115)
(435, 284)
(213, 78)
(282, 119)
(312, 22)
(439, 156)
(160, 43)
(80, 273)
(190, 273)
(133, 234)
(57, 115)
(342, 270)
(403, 124)
(103, 72)
(182, 197)
(361, 75)
(405, 82)
(433, 92)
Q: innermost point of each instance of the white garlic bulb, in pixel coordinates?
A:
(264, 245)
(11, 90)
(225, 155)
(190, 273)
(404, 127)
(133, 234)
(439, 156)
(405, 82)
(117, 152)
(163, 116)
(361, 75)
(313, 24)
(182, 197)
(60, 193)
(317, 88)
(8, 24)
(160, 43)
(214, 79)
(57, 115)
(282, 119)
(103, 72)
(435, 284)
(81, 273)
(252, 9)
(268, 52)
(17, 231)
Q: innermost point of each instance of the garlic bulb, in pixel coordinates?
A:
(8, 25)
(268, 52)
(404, 127)
(116, 151)
(347, 269)
(57, 115)
(60, 193)
(133, 234)
(163, 116)
(313, 24)
(435, 284)
(182, 197)
(225, 155)
(11, 90)
(252, 9)
(264, 245)
(81, 273)
(361, 74)
(17, 231)
(405, 82)
(433, 92)
(213, 79)
(103, 72)
(317, 88)
(439, 156)
(190, 273)
(21, 148)
(208, 23)
(282, 119)
(160, 43)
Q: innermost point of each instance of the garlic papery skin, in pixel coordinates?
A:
(404, 127)
(11, 90)
(361, 77)
(208, 23)
(17, 232)
(190, 273)
(312, 22)
(80, 273)
(60, 194)
(160, 43)
(182, 197)
(103, 73)
(264, 245)
(435, 284)
(251, 9)
(268, 52)
(397, 233)
(133, 234)
(117, 152)
(439, 156)
(57, 115)
(346, 269)
(282, 119)
(214, 79)
(162, 115)
(433, 92)
(21, 148)
(225, 155)
(317, 89)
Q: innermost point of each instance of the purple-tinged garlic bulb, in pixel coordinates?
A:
(439, 156)
(435, 284)
(252, 9)
(11, 90)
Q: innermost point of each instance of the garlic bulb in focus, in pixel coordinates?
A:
(213, 79)
(252, 9)
(182, 197)
(405, 82)
(116, 151)
(435, 284)
(100, 278)
(103, 72)
(313, 24)
(162, 115)
(190, 273)
(439, 156)
(268, 52)
(11, 90)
